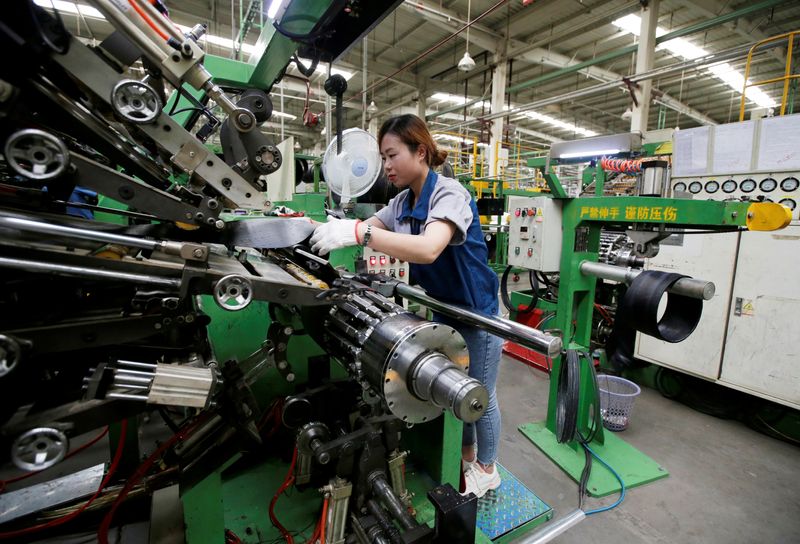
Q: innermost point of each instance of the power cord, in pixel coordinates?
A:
(507, 300)
(567, 405)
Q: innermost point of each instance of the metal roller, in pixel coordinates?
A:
(688, 287)
(418, 367)
(504, 328)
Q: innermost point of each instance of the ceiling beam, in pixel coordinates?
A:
(487, 38)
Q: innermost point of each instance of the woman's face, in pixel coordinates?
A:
(400, 164)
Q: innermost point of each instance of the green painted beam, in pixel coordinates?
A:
(617, 53)
(273, 50)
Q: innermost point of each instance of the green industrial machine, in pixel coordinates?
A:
(303, 400)
(577, 261)
(235, 495)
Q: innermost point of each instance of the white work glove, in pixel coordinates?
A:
(334, 234)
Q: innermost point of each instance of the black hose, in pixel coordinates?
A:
(308, 72)
(507, 301)
(568, 397)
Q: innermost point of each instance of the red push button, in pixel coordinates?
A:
(402, 272)
(383, 260)
(530, 252)
(373, 260)
(517, 212)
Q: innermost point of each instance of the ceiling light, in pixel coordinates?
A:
(466, 63)
(589, 153)
(689, 51)
(372, 109)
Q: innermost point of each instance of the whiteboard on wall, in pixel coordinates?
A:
(690, 152)
(733, 147)
(779, 143)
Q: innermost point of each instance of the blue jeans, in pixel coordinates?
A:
(485, 350)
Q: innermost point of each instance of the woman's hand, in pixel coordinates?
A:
(334, 234)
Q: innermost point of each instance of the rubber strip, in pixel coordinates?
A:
(639, 307)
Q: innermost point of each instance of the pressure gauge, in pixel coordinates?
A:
(679, 187)
(729, 186)
(790, 184)
(712, 187)
(768, 185)
(747, 186)
(789, 203)
(695, 187)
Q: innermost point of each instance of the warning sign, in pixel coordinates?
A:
(744, 307)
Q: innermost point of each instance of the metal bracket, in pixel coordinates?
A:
(191, 154)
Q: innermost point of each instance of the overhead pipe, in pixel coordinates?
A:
(713, 58)
(611, 55)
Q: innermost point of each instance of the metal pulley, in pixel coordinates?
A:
(233, 292)
(36, 154)
(135, 101)
(38, 449)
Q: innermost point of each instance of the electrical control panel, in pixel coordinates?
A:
(534, 234)
(375, 262)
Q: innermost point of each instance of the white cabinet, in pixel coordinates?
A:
(762, 350)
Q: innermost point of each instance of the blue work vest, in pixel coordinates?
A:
(461, 274)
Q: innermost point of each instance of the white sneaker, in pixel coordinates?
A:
(466, 465)
(479, 482)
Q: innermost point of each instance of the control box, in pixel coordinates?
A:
(375, 262)
(534, 233)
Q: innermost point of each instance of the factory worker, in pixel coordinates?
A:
(433, 224)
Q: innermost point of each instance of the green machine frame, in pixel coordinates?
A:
(583, 219)
(236, 495)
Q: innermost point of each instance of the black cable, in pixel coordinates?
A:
(308, 37)
(184, 110)
(168, 420)
(567, 397)
(595, 425)
(308, 72)
(34, 13)
(197, 104)
(507, 300)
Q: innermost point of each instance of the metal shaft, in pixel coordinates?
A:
(553, 529)
(689, 287)
(87, 234)
(84, 272)
(504, 328)
(383, 491)
(436, 379)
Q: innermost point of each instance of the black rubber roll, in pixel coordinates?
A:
(639, 307)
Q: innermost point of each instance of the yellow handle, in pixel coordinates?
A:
(765, 216)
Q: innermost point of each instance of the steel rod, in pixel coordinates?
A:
(504, 328)
(553, 529)
(124, 396)
(80, 271)
(82, 234)
(690, 287)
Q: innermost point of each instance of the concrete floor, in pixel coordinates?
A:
(727, 484)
